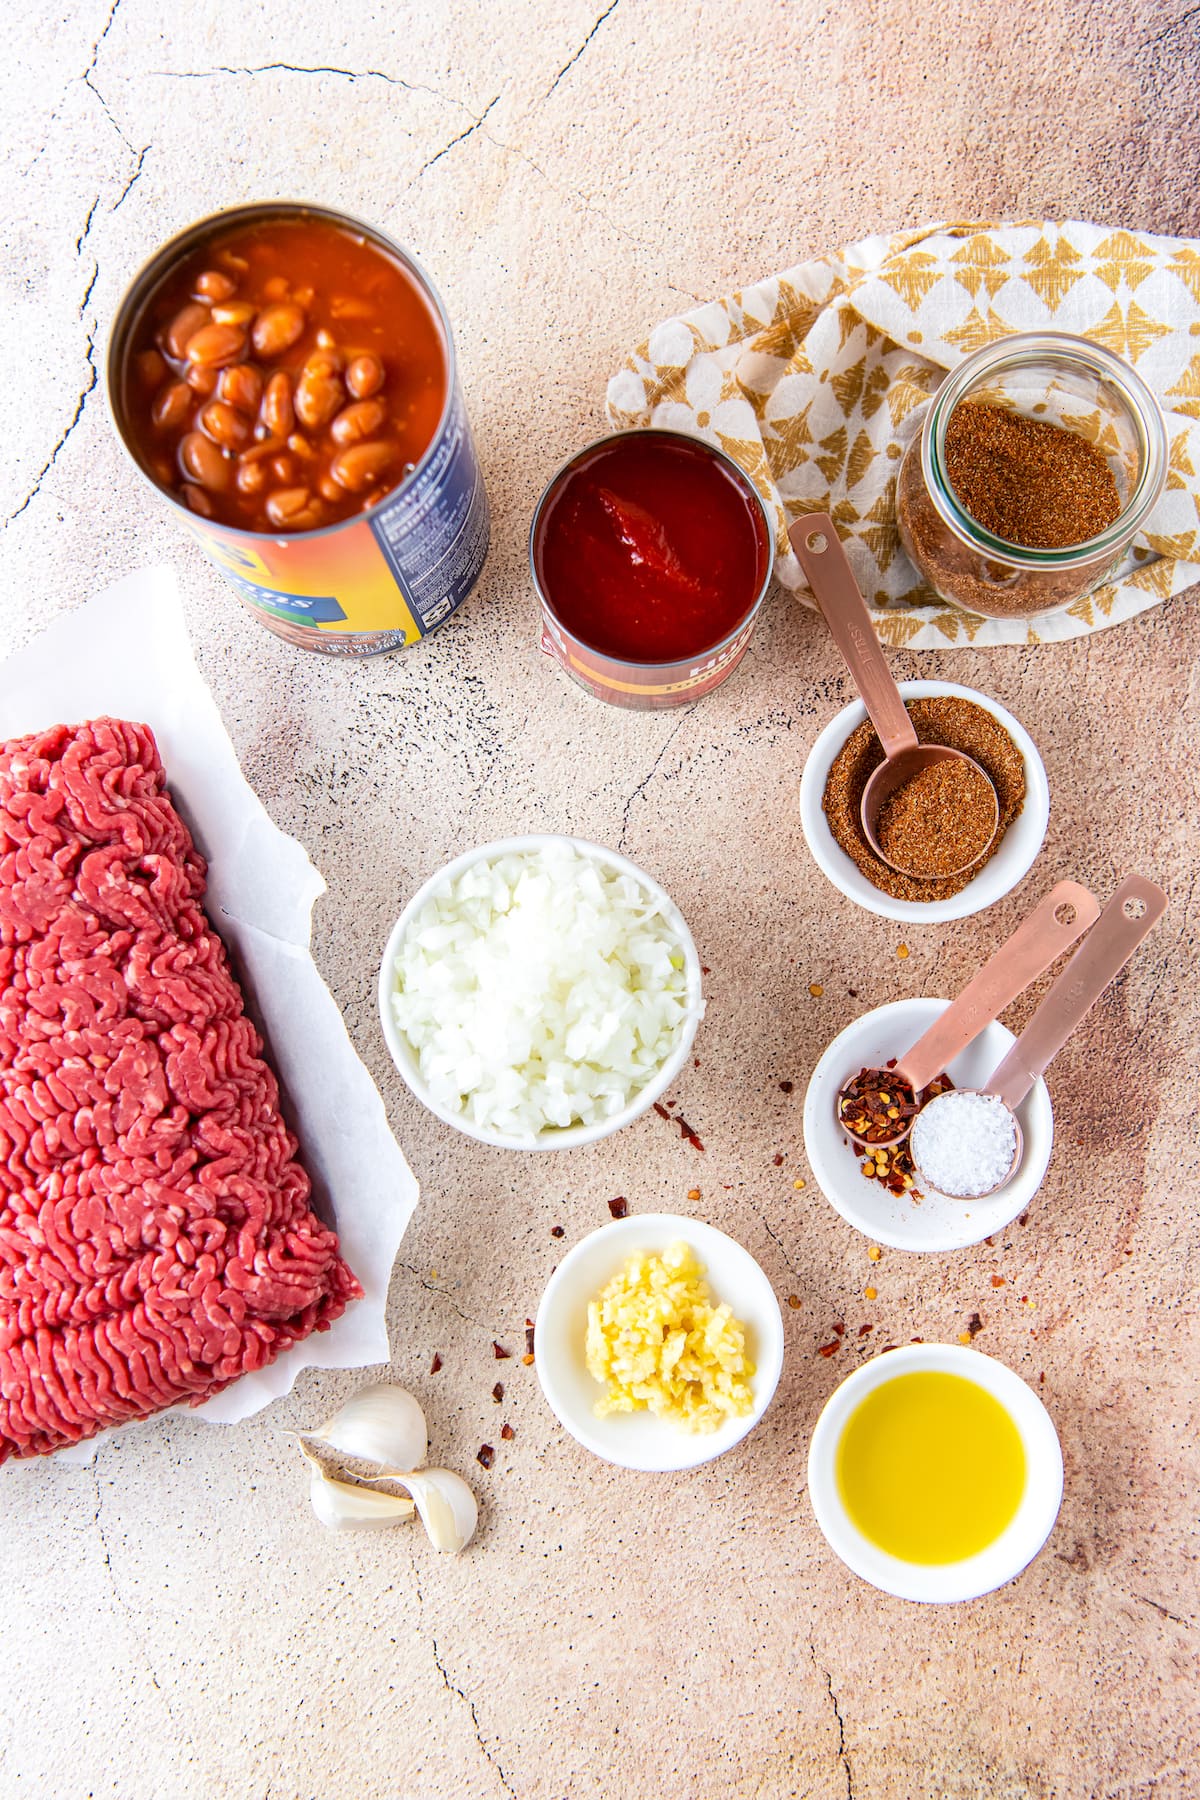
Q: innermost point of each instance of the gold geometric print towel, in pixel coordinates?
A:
(815, 381)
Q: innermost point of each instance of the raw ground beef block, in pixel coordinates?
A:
(156, 1238)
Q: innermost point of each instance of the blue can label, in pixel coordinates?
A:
(434, 535)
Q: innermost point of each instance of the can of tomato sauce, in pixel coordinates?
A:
(651, 554)
(284, 376)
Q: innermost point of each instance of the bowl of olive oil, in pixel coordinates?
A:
(935, 1473)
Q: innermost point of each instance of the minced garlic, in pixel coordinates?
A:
(657, 1341)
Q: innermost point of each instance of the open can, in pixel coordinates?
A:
(381, 579)
(627, 681)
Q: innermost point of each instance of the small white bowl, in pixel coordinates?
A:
(1022, 1538)
(568, 1137)
(641, 1440)
(938, 1222)
(1012, 861)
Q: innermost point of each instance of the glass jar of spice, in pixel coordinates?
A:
(1038, 461)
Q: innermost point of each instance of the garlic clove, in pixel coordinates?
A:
(446, 1504)
(381, 1424)
(344, 1507)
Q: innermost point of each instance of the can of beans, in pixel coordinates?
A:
(285, 377)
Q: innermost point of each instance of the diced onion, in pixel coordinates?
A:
(540, 989)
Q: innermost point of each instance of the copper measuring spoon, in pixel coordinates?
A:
(815, 540)
(1131, 914)
(1055, 923)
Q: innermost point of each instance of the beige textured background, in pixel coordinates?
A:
(174, 1622)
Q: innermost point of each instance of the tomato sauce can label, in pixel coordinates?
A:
(377, 581)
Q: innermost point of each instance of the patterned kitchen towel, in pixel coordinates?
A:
(815, 381)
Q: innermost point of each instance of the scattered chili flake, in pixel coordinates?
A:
(1026, 1301)
(815, 989)
(777, 1159)
(839, 1329)
(485, 1455)
(916, 1340)
(556, 1231)
(828, 1349)
(661, 1110)
(874, 1253)
(1024, 1218)
(884, 1348)
(436, 1364)
(499, 1352)
(853, 993)
(619, 1208)
(704, 969)
(498, 1392)
(693, 1193)
(793, 1301)
(527, 1359)
(507, 1432)
(865, 1330)
(1041, 1377)
(964, 1337)
(799, 1183)
(902, 951)
(871, 1293)
(686, 1131)
(998, 1281)
(974, 1326)
(787, 1087)
(529, 1337)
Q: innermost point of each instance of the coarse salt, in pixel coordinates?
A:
(964, 1143)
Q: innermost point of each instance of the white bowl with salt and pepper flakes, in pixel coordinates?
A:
(936, 1222)
(642, 1439)
(540, 992)
(1012, 860)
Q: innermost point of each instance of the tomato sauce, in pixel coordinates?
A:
(651, 549)
(284, 376)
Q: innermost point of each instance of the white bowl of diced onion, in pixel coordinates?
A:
(540, 992)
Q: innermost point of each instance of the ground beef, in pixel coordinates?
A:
(156, 1238)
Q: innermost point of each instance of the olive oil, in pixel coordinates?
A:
(930, 1467)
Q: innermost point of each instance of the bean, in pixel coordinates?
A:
(303, 296)
(356, 423)
(360, 466)
(150, 367)
(163, 470)
(318, 398)
(328, 488)
(260, 452)
(344, 306)
(251, 477)
(228, 259)
(238, 312)
(276, 288)
(283, 469)
(364, 377)
(226, 427)
(201, 461)
(299, 446)
(242, 386)
(278, 413)
(216, 345)
(327, 360)
(172, 405)
(198, 500)
(294, 508)
(277, 328)
(201, 379)
(213, 285)
(183, 326)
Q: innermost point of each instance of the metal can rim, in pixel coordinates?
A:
(681, 437)
(190, 237)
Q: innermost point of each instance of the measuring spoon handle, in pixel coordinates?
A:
(1130, 915)
(815, 540)
(1037, 942)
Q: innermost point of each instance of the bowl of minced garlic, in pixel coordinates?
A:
(659, 1342)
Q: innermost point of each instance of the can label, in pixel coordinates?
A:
(625, 684)
(376, 583)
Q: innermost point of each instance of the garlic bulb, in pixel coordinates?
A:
(381, 1424)
(446, 1504)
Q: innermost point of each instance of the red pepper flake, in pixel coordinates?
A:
(787, 1087)
(527, 1359)
(436, 1364)
(704, 969)
(498, 1392)
(884, 1348)
(529, 1337)
(685, 1131)
(828, 1349)
(974, 1325)
(793, 1301)
(865, 1330)
(839, 1329)
(1024, 1219)
(556, 1231)
(1041, 1378)
(661, 1110)
(777, 1159)
(998, 1281)
(853, 993)
(499, 1352)
(485, 1455)
(815, 989)
(507, 1433)
(619, 1208)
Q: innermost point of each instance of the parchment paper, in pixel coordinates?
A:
(126, 653)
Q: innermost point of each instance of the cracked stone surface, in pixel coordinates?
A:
(175, 1623)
